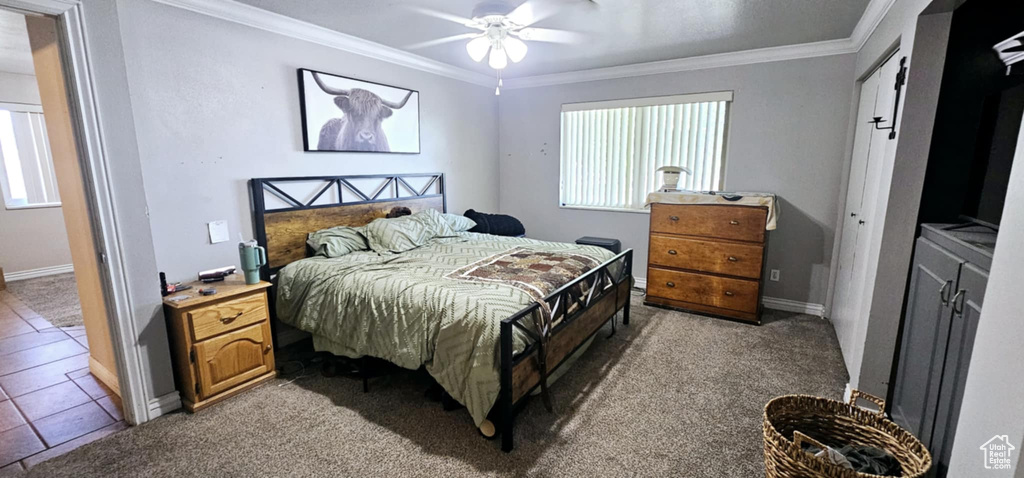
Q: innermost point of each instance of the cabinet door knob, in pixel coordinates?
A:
(672, 251)
(228, 320)
(734, 222)
(268, 348)
(728, 293)
(673, 218)
(732, 259)
(670, 284)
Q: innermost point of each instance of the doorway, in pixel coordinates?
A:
(59, 385)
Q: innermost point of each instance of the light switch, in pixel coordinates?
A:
(218, 231)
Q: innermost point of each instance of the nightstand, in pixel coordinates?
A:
(221, 343)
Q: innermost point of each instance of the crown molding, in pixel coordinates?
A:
(233, 11)
(719, 60)
(254, 17)
(873, 15)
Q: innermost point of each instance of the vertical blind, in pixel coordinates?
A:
(610, 151)
(26, 166)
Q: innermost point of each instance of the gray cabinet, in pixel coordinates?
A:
(947, 287)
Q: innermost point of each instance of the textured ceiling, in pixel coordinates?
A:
(611, 32)
(15, 52)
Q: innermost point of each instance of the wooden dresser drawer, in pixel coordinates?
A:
(233, 358)
(226, 316)
(722, 292)
(729, 258)
(741, 223)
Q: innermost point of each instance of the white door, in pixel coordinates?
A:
(869, 146)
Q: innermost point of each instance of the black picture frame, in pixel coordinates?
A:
(318, 120)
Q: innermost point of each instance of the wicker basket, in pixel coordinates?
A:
(808, 419)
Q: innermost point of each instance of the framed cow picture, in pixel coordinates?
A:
(348, 115)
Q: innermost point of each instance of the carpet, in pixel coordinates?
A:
(55, 298)
(673, 394)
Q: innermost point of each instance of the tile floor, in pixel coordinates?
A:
(49, 402)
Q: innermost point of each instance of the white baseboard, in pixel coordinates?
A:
(787, 305)
(640, 283)
(164, 405)
(41, 272)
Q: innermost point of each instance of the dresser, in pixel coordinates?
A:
(221, 343)
(707, 258)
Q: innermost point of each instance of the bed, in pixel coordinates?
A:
(488, 317)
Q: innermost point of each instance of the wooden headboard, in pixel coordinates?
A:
(332, 201)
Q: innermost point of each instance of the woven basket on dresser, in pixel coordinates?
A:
(805, 418)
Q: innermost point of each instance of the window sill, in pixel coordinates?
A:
(33, 206)
(645, 210)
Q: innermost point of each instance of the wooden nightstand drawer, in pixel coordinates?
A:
(233, 358)
(226, 316)
(726, 222)
(729, 258)
(721, 292)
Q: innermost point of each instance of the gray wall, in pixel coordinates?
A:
(216, 103)
(29, 238)
(787, 135)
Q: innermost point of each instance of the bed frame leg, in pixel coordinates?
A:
(505, 398)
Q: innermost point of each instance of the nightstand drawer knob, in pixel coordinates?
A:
(670, 284)
(673, 218)
(672, 252)
(733, 259)
(734, 222)
(728, 293)
(228, 320)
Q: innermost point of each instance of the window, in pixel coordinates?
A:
(26, 175)
(611, 150)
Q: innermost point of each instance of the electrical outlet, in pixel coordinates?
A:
(774, 276)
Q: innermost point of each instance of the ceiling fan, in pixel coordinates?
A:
(502, 31)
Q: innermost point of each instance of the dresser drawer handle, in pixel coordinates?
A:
(670, 284)
(672, 252)
(673, 218)
(228, 320)
(728, 293)
(734, 222)
(732, 259)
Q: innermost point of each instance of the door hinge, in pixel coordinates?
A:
(103, 257)
(192, 356)
(197, 389)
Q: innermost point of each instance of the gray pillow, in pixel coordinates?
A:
(401, 234)
(337, 241)
(459, 223)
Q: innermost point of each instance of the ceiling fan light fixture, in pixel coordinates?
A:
(515, 48)
(498, 59)
(477, 48)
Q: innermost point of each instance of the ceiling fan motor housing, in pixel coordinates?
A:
(491, 8)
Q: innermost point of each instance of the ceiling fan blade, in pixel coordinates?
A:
(468, 22)
(441, 41)
(532, 11)
(550, 35)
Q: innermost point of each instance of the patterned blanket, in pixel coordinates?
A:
(403, 308)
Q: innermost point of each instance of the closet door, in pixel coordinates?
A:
(842, 303)
(866, 170)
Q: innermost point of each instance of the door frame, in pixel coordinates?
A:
(92, 156)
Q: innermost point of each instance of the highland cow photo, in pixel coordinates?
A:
(345, 114)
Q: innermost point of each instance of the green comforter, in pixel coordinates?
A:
(401, 308)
